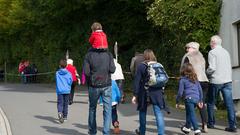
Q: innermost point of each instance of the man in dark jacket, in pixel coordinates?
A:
(98, 67)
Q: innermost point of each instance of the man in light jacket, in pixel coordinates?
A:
(195, 57)
(220, 73)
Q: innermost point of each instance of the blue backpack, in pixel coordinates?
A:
(156, 75)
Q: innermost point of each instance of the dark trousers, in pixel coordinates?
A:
(114, 114)
(120, 86)
(203, 110)
(62, 104)
(72, 91)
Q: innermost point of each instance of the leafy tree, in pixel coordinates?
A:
(42, 30)
(187, 20)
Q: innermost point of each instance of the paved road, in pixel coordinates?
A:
(31, 110)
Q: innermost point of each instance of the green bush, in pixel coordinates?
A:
(43, 30)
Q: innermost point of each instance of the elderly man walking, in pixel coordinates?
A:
(195, 57)
(220, 73)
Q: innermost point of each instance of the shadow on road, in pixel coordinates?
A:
(63, 131)
(51, 119)
(122, 132)
(78, 102)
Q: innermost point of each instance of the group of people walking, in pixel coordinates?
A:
(105, 81)
(194, 81)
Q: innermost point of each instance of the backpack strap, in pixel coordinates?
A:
(147, 63)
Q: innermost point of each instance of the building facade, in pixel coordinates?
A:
(230, 34)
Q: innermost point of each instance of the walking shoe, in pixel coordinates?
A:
(185, 130)
(231, 129)
(65, 119)
(197, 132)
(70, 102)
(116, 130)
(137, 132)
(204, 128)
(210, 126)
(60, 117)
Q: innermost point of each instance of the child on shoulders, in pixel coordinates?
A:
(98, 38)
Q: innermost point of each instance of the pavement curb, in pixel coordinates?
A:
(5, 128)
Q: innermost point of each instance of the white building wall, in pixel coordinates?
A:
(228, 31)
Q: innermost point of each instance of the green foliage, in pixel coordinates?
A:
(43, 30)
(187, 20)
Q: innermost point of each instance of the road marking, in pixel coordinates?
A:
(5, 128)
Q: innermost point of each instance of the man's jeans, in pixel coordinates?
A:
(190, 113)
(226, 90)
(159, 120)
(62, 104)
(94, 94)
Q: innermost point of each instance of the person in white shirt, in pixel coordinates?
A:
(119, 78)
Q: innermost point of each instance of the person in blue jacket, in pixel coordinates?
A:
(191, 91)
(63, 88)
(116, 98)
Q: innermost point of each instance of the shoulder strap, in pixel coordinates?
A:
(149, 62)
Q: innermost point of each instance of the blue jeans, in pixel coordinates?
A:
(191, 119)
(226, 90)
(94, 94)
(62, 104)
(159, 120)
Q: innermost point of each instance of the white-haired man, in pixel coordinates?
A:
(220, 73)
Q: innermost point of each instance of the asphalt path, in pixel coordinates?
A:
(31, 109)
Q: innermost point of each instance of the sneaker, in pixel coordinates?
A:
(116, 130)
(197, 132)
(70, 102)
(137, 132)
(185, 130)
(60, 117)
(210, 126)
(65, 119)
(204, 128)
(231, 129)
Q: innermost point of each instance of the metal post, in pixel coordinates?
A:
(5, 72)
(67, 55)
(116, 50)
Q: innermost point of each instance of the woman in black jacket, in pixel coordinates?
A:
(143, 97)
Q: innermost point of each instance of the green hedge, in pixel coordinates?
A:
(43, 30)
